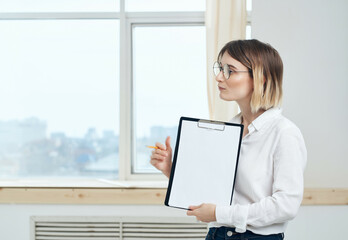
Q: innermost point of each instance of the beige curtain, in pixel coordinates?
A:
(225, 21)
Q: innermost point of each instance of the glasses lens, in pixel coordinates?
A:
(216, 68)
(226, 71)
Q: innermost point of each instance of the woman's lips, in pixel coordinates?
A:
(221, 89)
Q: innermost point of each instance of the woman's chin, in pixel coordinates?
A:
(226, 98)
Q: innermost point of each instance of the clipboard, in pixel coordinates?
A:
(205, 163)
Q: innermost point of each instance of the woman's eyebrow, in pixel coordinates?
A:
(230, 65)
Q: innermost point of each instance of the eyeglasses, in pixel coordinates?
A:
(225, 69)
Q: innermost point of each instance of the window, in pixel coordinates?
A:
(78, 77)
(59, 98)
(170, 82)
(88, 84)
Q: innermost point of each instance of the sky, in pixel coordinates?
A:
(66, 72)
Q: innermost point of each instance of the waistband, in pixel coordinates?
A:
(231, 233)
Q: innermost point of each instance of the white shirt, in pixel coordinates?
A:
(269, 182)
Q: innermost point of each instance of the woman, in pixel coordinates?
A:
(273, 156)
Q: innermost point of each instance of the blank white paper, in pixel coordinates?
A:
(205, 165)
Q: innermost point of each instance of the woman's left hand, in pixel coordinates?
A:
(204, 212)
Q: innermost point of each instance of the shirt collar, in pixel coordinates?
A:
(260, 120)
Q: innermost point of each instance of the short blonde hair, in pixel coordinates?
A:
(266, 69)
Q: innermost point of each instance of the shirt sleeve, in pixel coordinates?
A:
(290, 158)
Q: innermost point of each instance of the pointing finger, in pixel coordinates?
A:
(190, 213)
(160, 146)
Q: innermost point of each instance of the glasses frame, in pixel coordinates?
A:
(227, 72)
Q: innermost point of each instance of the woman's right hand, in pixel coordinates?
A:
(161, 158)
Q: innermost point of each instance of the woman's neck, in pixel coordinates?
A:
(247, 115)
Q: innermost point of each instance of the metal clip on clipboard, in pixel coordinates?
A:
(211, 125)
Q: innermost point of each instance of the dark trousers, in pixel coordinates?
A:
(226, 233)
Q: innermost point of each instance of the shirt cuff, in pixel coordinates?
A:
(233, 215)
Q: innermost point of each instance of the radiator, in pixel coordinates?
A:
(112, 228)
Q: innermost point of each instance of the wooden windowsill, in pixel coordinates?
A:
(80, 183)
(134, 196)
(82, 196)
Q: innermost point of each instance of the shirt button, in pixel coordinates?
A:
(229, 233)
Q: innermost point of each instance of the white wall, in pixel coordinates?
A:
(312, 222)
(15, 219)
(319, 223)
(311, 37)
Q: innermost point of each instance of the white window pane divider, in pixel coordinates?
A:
(125, 104)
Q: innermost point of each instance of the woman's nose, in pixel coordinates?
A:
(220, 77)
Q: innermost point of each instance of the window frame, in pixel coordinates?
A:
(127, 21)
(147, 19)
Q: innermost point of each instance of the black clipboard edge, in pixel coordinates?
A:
(235, 171)
(172, 171)
(166, 202)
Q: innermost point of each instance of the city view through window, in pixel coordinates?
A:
(27, 151)
(59, 98)
(60, 111)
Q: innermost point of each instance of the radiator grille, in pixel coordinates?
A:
(112, 228)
